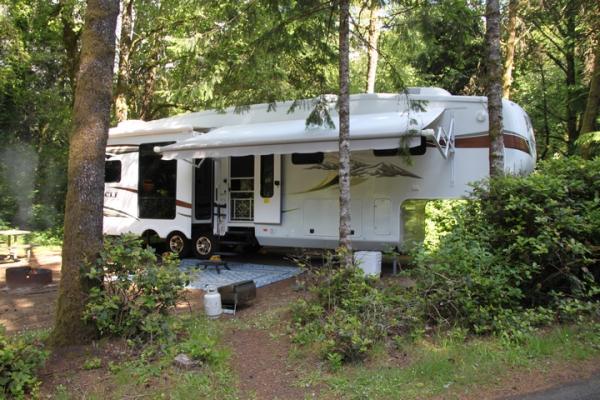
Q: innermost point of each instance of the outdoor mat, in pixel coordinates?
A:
(261, 274)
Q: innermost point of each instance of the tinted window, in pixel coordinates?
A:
(203, 189)
(157, 184)
(267, 166)
(112, 171)
(385, 152)
(420, 149)
(413, 151)
(307, 158)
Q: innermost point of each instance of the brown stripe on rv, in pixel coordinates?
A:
(183, 204)
(510, 142)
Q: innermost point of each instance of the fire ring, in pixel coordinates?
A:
(17, 277)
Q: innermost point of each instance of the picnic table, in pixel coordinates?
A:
(12, 235)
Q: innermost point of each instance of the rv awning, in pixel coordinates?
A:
(367, 131)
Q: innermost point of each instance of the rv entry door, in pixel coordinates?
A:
(267, 189)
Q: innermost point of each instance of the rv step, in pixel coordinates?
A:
(233, 242)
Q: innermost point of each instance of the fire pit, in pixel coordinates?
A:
(17, 277)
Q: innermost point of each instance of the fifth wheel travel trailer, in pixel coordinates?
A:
(264, 177)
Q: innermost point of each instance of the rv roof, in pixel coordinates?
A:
(203, 121)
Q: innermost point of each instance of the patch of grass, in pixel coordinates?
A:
(92, 363)
(449, 365)
(152, 375)
(264, 321)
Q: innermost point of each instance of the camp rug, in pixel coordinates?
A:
(261, 274)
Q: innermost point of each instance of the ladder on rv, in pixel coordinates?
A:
(443, 138)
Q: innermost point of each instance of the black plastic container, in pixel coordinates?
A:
(238, 294)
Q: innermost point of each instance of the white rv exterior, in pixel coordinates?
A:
(263, 175)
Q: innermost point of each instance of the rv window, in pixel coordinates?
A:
(385, 152)
(413, 151)
(112, 171)
(267, 166)
(203, 190)
(157, 184)
(420, 149)
(307, 158)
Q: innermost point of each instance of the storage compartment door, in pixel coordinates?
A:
(267, 189)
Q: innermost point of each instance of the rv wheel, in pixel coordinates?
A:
(178, 244)
(204, 245)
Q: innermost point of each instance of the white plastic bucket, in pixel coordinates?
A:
(369, 262)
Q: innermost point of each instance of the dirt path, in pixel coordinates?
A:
(261, 366)
(260, 347)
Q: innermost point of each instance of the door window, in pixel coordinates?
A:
(203, 189)
(267, 172)
(157, 184)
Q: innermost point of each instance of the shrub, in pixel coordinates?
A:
(516, 250)
(19, 360)
(135, 290)
(345, 312)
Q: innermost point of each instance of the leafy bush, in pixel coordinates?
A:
(48, 237)
(135, 289)
(345, 312)
(19, 360)
(516, 251)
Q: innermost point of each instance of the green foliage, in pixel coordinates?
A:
(589, 144)
(20, 357)
(519, 253)
(448, 366)
(135, 290)
(92, 363)
(345, 313)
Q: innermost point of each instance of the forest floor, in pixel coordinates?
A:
(261, 362)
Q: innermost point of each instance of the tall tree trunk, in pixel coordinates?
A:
(545, 109)
(344, 125)
(121, 107)
(145, 113)
(373, 52)
(511, 43)
(83, 216)
(70, 40)
(592, 105)
(571, 77)
(494, 87)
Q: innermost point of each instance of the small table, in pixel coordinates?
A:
(11, 235)
(214, 263)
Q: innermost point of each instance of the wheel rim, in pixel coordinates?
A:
(176, 244)
(203, 245)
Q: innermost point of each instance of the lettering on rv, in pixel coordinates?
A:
(110, 195)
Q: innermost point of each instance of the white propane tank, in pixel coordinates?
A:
(212, 302)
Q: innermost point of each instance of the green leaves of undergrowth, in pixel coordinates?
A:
(520, 254)
(346, 314)
(135, 290)
(20, 357)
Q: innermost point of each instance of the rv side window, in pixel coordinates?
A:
(385, 152)
(157, 184)
(307, 158)
(267, 166)
(413, 151)
(112, 171)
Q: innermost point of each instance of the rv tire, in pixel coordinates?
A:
(204, 245)
(177, 243)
